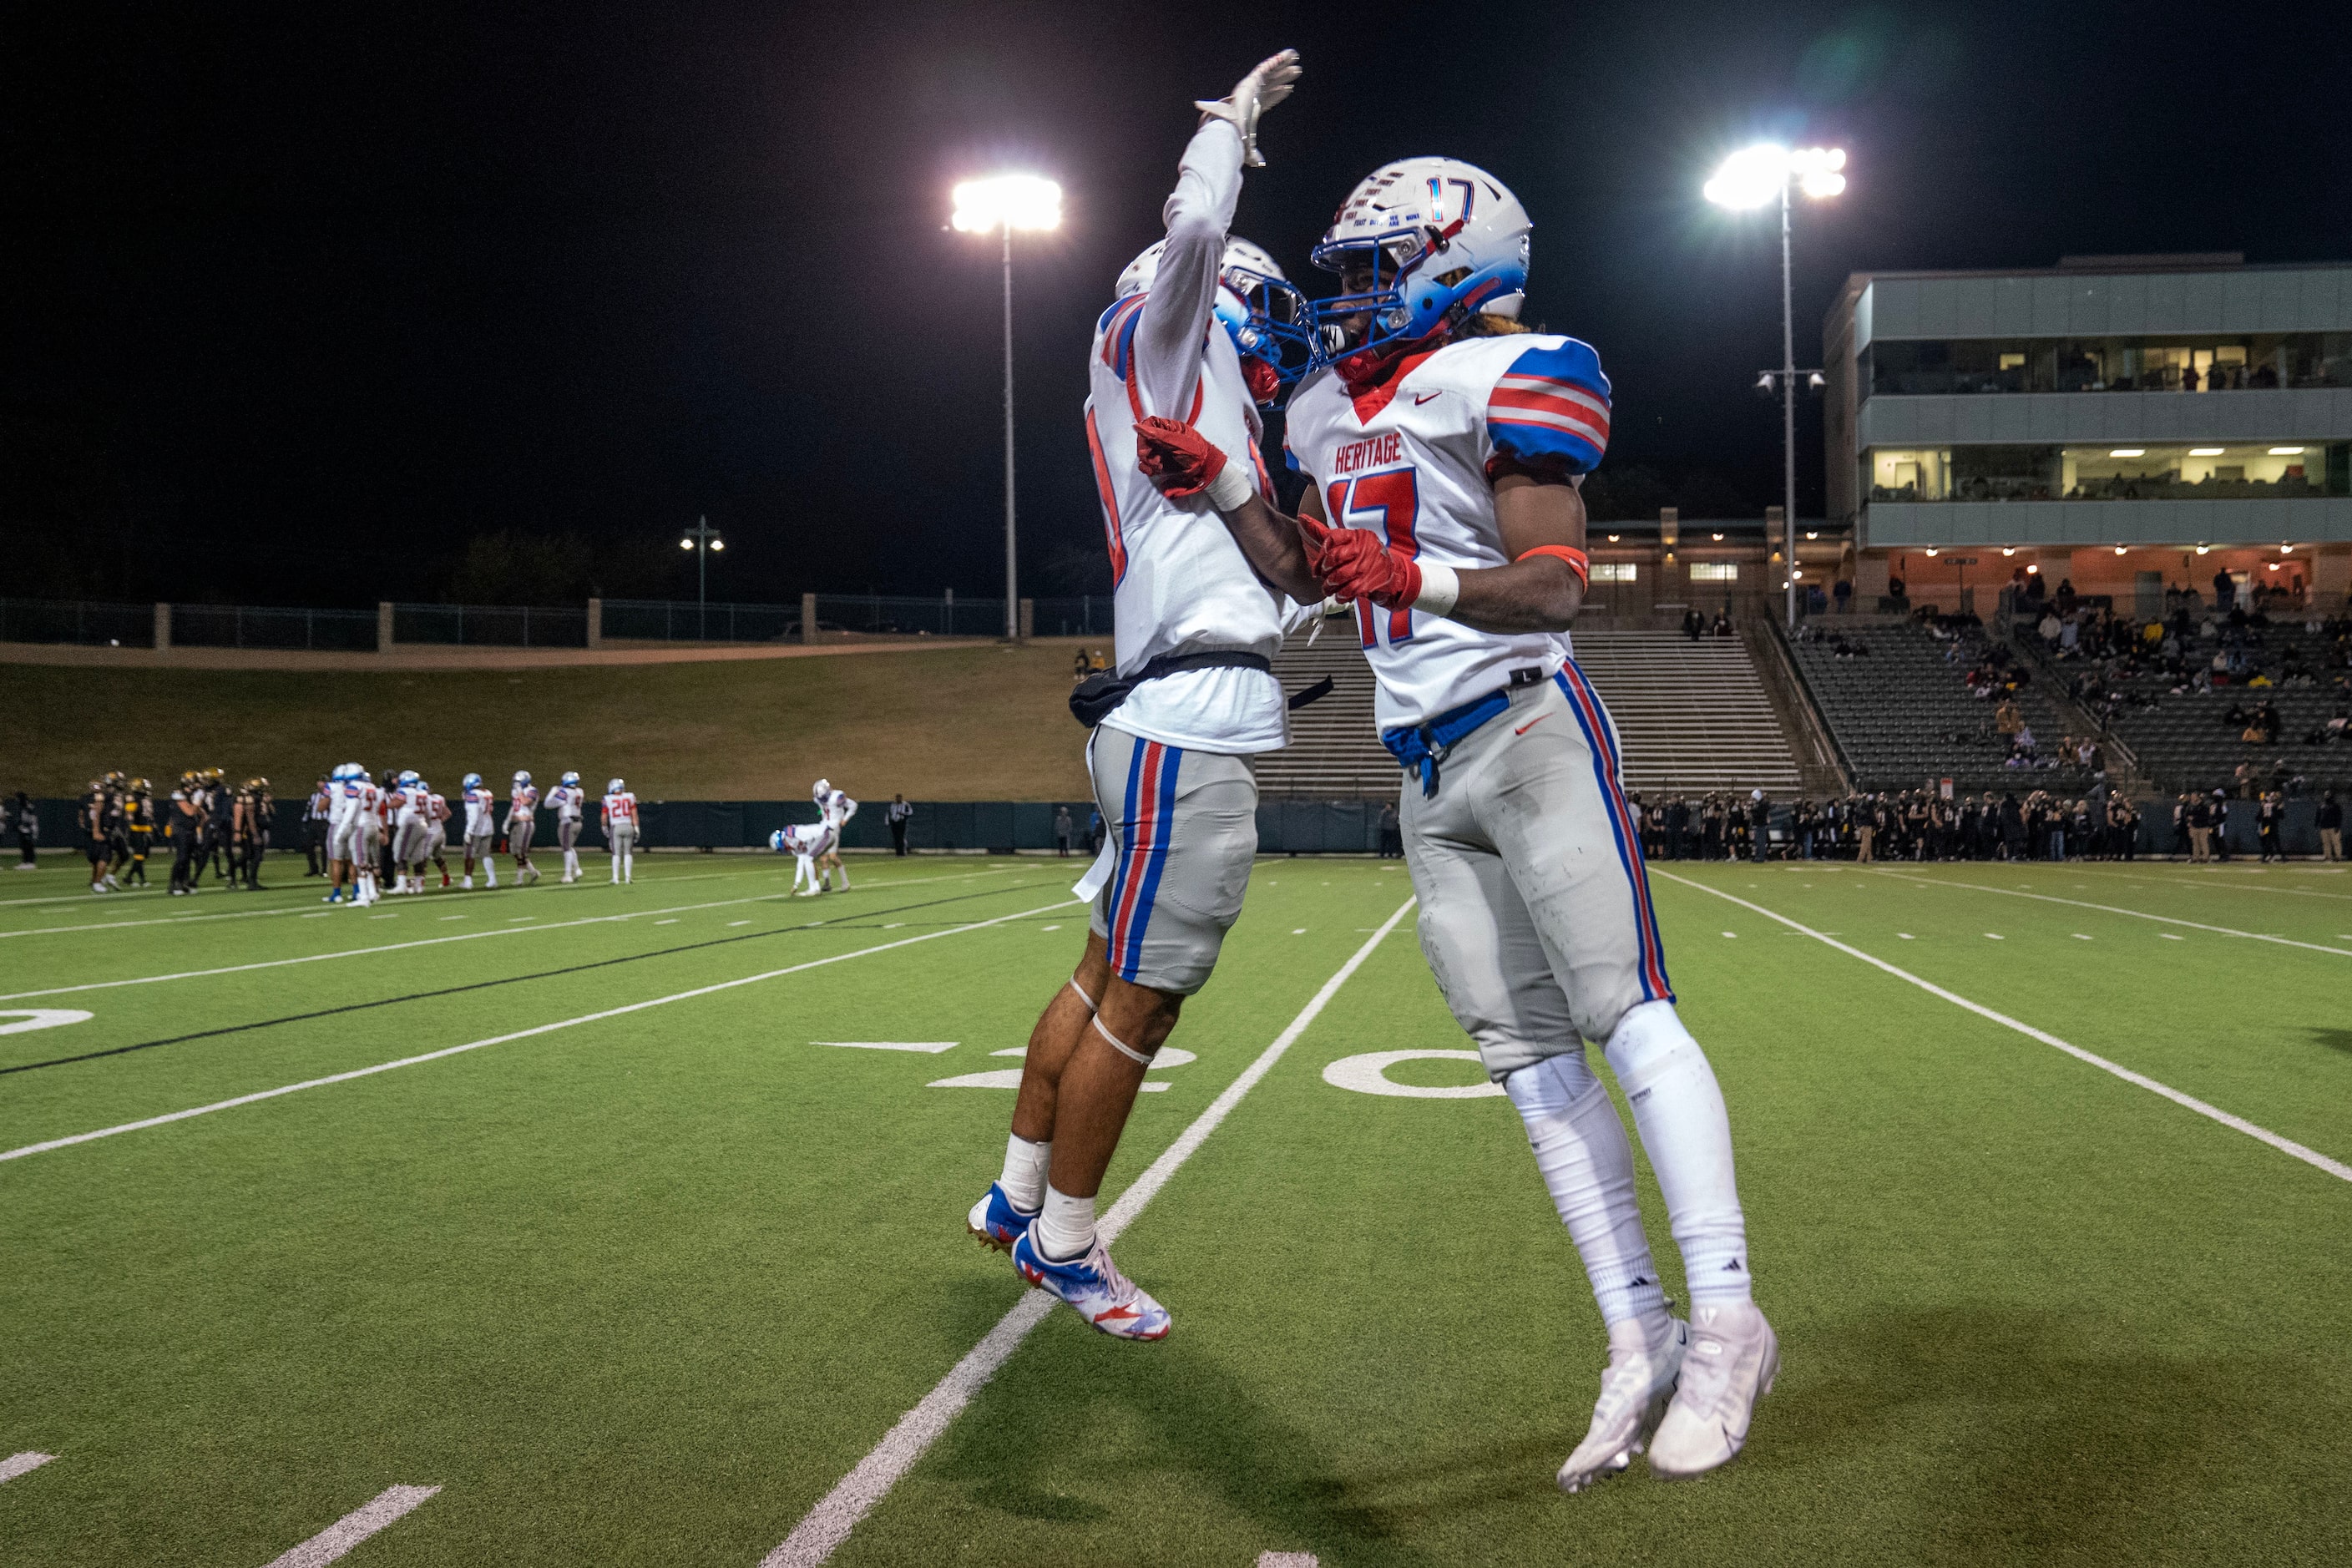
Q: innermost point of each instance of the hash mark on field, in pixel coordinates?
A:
(1287, 1560)
(2170, 937)
(322, 914)
(16, 1465)
(933, 1048)
(2080, 937)
(739, 922)
(1995, 936)
(354, 1527)
(1300, 931)
(1055, 926)
(453, 917)
(667, 923)
(518, 917)
(1906, 936)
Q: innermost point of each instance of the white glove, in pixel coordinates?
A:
(1260, 90)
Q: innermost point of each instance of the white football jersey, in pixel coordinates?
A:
(1410, 459)
(345, 804)
(567, 800)
(480, 804)
(838, 809)
(440, 808)
(409, 806)
(621, 810)
(1181, 585)
(523, 801)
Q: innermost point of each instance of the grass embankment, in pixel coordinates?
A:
(954, 723)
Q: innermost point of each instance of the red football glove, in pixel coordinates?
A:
(1175, 457)
(1354, 565)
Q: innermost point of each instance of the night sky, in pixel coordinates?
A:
(302, 300)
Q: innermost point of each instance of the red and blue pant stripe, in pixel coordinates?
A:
(1601, 741)
(1147, 824)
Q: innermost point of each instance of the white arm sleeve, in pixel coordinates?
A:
(1199, 212)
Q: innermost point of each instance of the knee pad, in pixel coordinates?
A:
(1546, 1090)
(1648, 1043)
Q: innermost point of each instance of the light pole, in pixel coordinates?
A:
(702, 539)
(1005, 203)
(1749, 178)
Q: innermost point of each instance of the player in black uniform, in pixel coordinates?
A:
(90, 818)
(118, 827)
(254, 807)
(139, 830)
(215, 850)
(185, 827)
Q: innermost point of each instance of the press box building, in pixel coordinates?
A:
(2131, 423)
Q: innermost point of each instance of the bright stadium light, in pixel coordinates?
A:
(1753, 177)
(702, 539)
(1013, 201)
(1000, 206)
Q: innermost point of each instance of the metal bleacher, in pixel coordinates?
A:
(1903, 715)
(1691, 716)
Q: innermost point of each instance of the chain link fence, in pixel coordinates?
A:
(76, 621)
(251, 626)
(491, 626)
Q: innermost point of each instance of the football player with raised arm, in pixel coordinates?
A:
(1444, 446)
(522, 811)
(481, 831)
(621, 831)
(1195, 629)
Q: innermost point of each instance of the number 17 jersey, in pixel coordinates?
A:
(1409, 459)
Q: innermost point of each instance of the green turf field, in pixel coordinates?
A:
(645, 1276)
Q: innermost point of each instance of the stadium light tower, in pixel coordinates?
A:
(702, 539)
(1751, 178)
(1003, 203)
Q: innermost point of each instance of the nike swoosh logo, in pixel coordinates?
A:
(1530, 724)
(1421, 398)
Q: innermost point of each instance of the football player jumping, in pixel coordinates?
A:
(1444, 444)
(1192, 695)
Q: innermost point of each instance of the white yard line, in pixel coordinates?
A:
(2203, 884)
(511, 929)
(2115, 909)
(2311, 1157)
(828, 1524)
(16, 1465)
(518, 1035)
(389, 1507)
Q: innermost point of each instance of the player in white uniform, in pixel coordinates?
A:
(568, 801)
(522, 811)
(342, 832)
(800, 841)
(837, 808)
(410, 805)
(481, 831)
(367, 835)
(1196, 627)
(1445, 444)
(621, 829)
(437, 840)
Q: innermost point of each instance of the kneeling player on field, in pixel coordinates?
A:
(1444, 447)
(1192, 695)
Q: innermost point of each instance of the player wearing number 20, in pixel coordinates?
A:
(1444, 444)
(1196, 627)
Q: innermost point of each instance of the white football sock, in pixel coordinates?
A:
(1588, 1167)
(1066, 1225)
(1678, 1107)
(1025, 1172)
(491, 872)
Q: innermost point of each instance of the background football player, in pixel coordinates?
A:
(522, 811)
(1193, 695)
(837, 808)
(481, 831)
(1444, 445)
(568, 801)
(620, 812)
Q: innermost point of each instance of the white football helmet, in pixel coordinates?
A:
(1261, 311)
(1445, 239)
(570, 781)
(824, 788)
(472, 781)
(614, 787)
(520, 779)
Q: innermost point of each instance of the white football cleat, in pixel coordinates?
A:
(1733, 1357)
(1634, 1394)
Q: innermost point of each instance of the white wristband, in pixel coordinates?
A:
(1440, 586)
(1230, 489)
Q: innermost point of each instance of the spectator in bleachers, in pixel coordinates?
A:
(1693, 623)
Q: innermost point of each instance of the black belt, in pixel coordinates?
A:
(1097, 696)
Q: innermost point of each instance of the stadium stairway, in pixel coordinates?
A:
(1692, 717)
